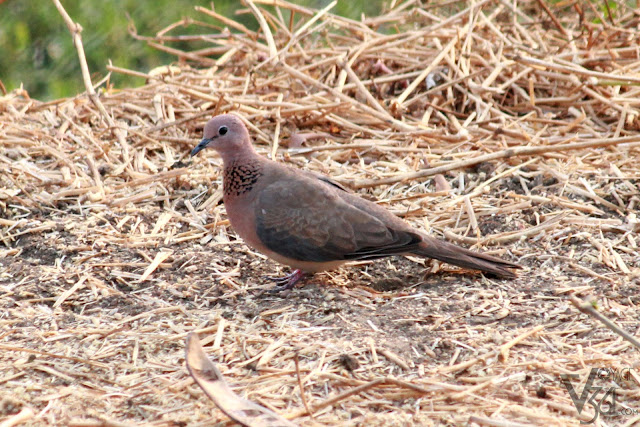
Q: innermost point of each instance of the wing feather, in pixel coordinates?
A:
(304, 219)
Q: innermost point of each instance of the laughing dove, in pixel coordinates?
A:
(311, 223)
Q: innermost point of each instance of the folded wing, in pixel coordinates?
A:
(306, 220)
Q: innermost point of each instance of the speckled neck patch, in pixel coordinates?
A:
(240, 177)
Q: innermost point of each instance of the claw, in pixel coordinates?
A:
(286, 282)
(279, 280)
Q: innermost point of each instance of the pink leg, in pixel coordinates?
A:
(287, 282)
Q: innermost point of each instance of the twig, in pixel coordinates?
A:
(509, 236)
(332, 401)
(423, 75)
(53, 355)
(18, 419)
(273, 50)
(510, 152)
(230, 22)
(573, 69)
(363, 90)
(587, 308)
(75, 30)
(504, 348)
(295, 37)
(383, 117)
(557, 23)
(296, 359)
(494, 422)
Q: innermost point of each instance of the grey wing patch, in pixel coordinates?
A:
(304, 221)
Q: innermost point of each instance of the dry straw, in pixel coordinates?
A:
(512, 126)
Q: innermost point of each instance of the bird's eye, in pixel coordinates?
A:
(222, 130)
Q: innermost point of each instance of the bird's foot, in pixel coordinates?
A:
(286, 282)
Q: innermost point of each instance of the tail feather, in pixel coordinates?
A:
(462, 257)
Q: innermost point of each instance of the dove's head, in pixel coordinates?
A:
(227, 135)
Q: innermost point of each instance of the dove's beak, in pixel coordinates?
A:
(201, 146)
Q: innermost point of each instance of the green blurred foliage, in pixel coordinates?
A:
(609, 11)
(37, 50)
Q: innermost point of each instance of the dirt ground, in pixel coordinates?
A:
(115, 244)
(114, 347)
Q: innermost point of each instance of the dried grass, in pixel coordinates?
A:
(115, 246)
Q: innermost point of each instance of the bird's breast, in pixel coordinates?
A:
(242, 217)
